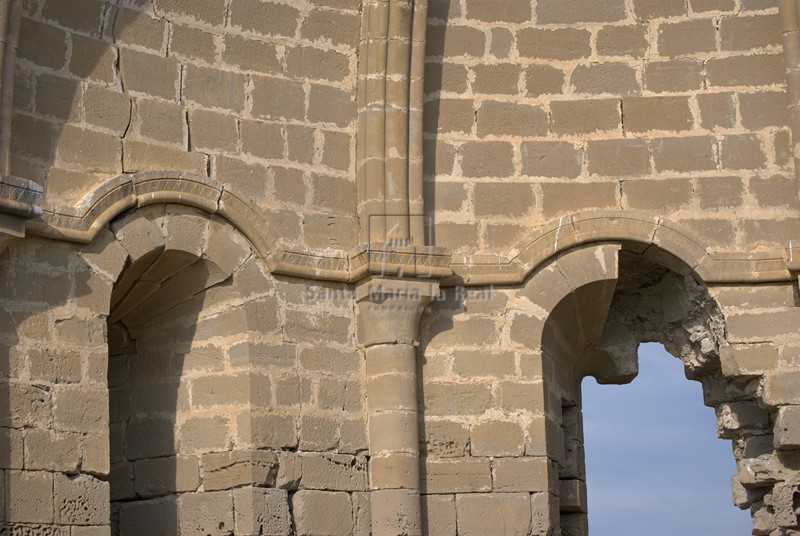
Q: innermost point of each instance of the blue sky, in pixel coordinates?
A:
(654, 463)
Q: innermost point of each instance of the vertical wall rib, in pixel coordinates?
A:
(390, 121)
(790, 32)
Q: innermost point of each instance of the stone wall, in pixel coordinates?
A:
(280, 285)
(535, 110)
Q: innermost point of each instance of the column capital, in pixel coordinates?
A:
(389, 309)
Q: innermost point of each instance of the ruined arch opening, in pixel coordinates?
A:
(596, 330)
(654, 462)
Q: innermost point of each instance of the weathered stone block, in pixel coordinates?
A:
(81, 500)
(689, 37)
(551, 159)
(322, 512)
(456, 398)
(511, 119)
(560, 44)
(162, 476)
(584, 116)
(149, 73)
(462, 475)
(497, 438)
(206, 513)
(478, 513)
(734, 418)
(261, 511)
(47, 450)
(523, 474)
(748, 360)
(32, 498)
(439, 514)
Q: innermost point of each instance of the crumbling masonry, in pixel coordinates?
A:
(332, 267)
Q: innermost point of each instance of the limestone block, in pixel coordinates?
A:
(480, 363)
(751, 70)
(204, 434)
(514, 396)
(318, 433)
(322, 513)
(250, 15)
(395, 511)
(397, 470)
(787, 428)
(748, 360)
(250, 55)
(12, 456)
(560, 44)
(24, 405)
(150, 437)
(745, 497)
(137, 28)
(439, 515)
(278, 99)
(444, 439)
(212, 131)
(781, 388)
(81, 409)
(32, 497)
(157, 517)
(210, 391)
(206, 513)
(96, 454)
(735, 417)
(48, 450)
(162, 476)
(510, 119)
(493, 513)
(338, 27)
(619, 158)
(293, 391)
(268, 431)
(456, 399)
(160, 120)
(81, 500)
(742, 151)
(261, 511)
(487, 159)
(545, 509)
(462, 475)
(353, 436)
(688, 37)
(91, 58)
(334, 471)
(361, 513)
(384, 393)
(214, 87)
(142, 156)
(225, 470)
(497, 438)
(316, 64)
(149, 73)
(523, 474)
(695, 153)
